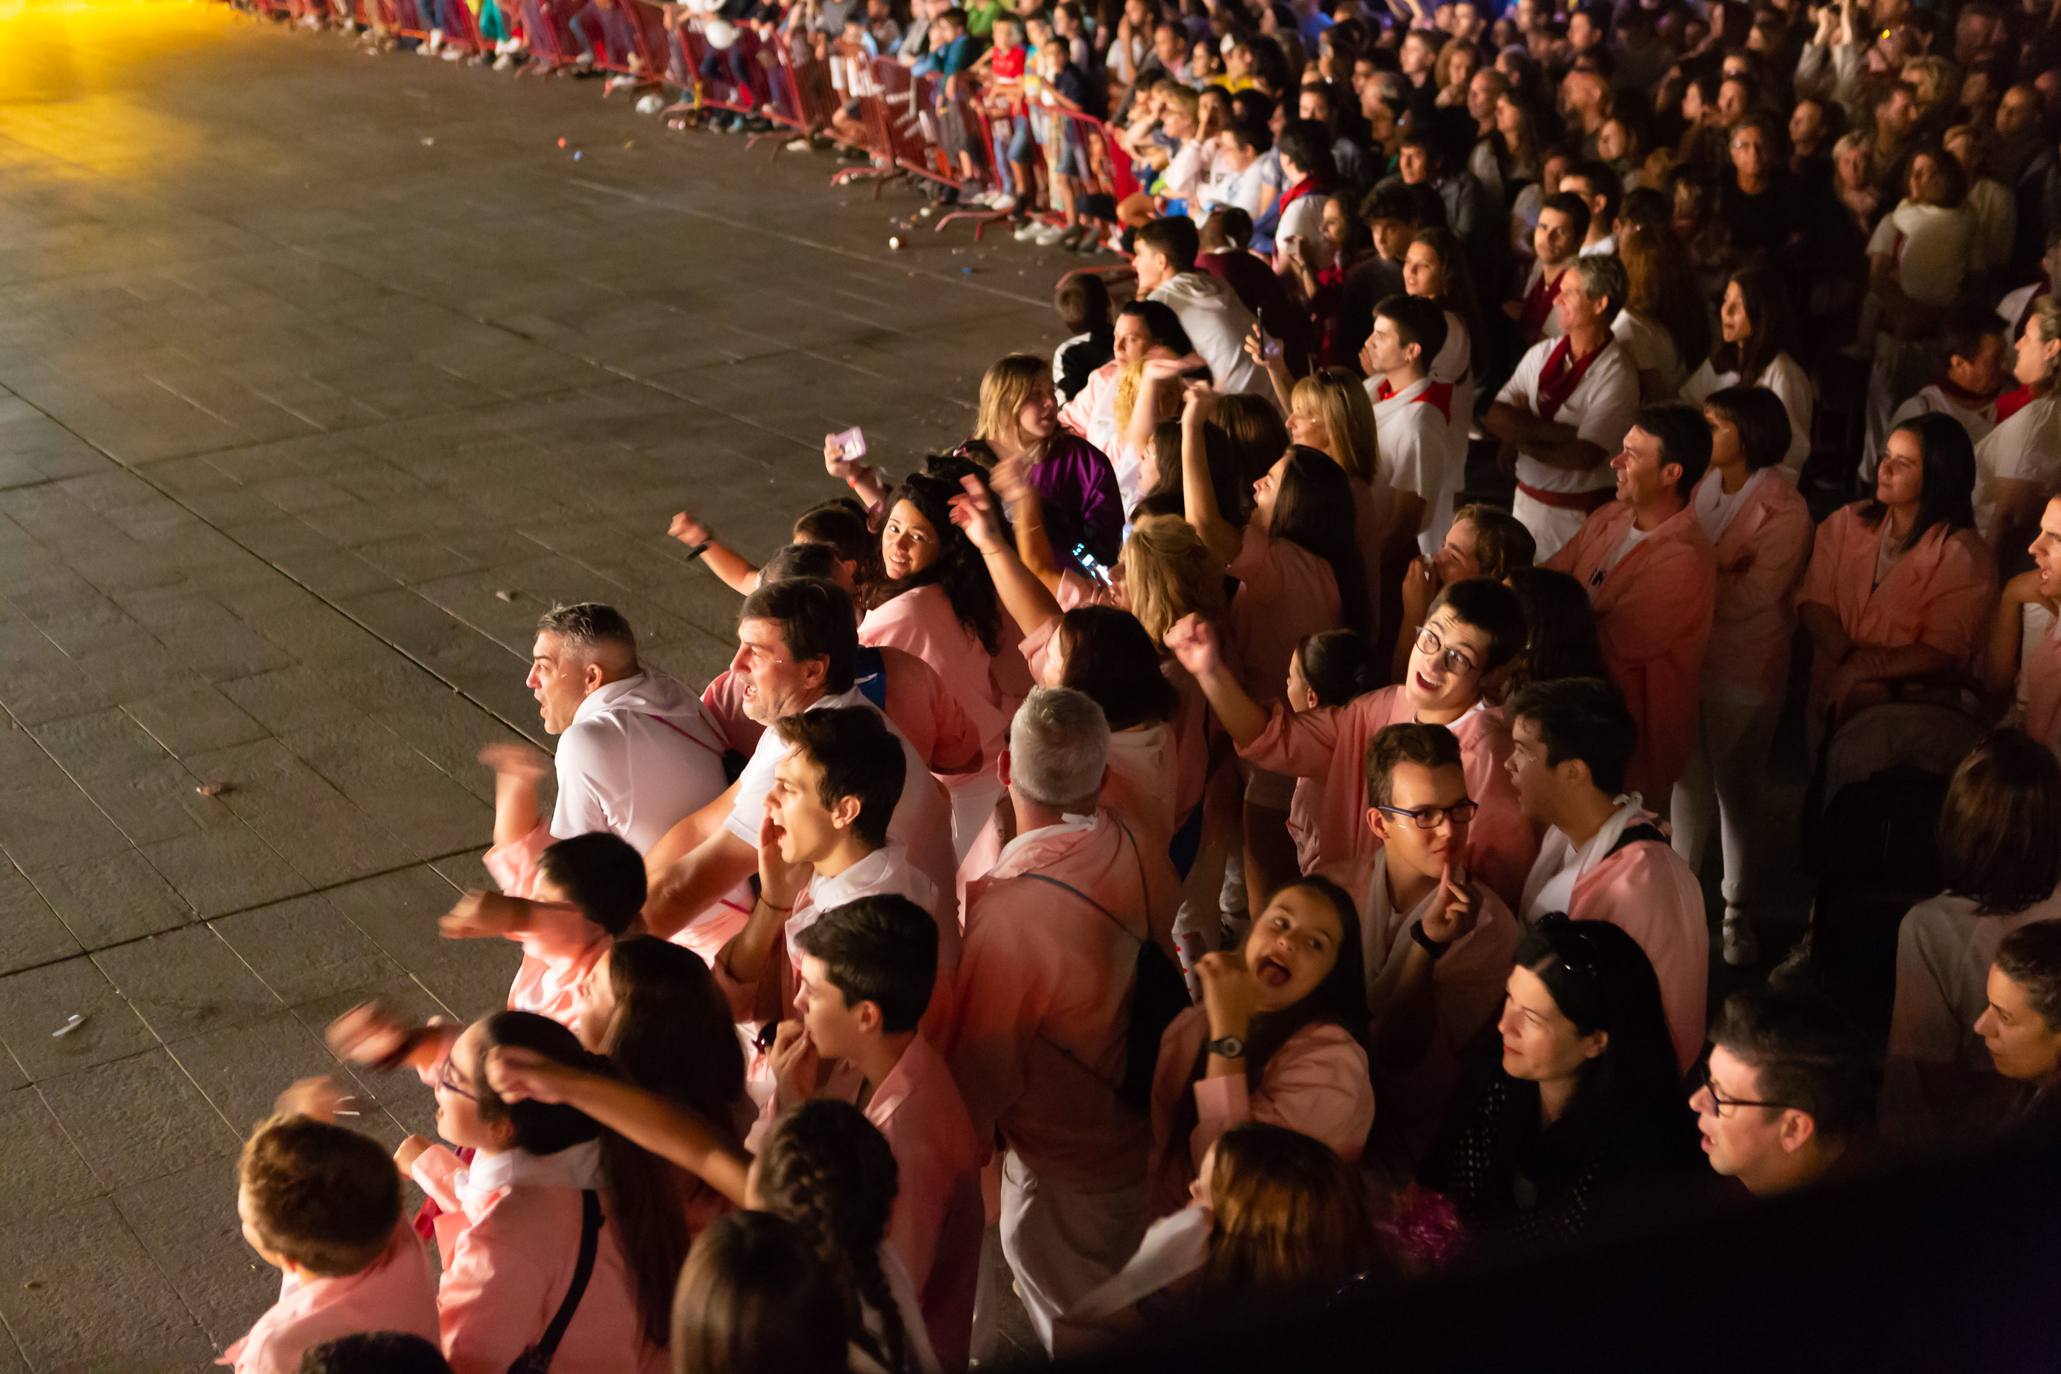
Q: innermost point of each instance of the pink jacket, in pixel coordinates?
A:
(1653, 615)
(1646, 890)
(1045, 981)
(1316, 1083)
(723, 699)
(393, 1293)
(509, 1254)
(922, 624)
(1329, 744)
(1938, 594)
(1285, 594)
(917, 702)
(558, 952)
(1760, 563)
(939, 1218)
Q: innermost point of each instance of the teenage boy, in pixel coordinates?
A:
(1473, 629)
(1413, 416)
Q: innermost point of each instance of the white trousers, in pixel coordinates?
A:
(1721, 788)
(1550, 526)
(1063, 1242)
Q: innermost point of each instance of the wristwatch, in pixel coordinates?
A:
(1432, 947)
(1227, 1047)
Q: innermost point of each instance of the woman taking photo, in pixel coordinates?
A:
(1761, 530)
(1278, 1038)
(1899, 586)
(1019, 420)
(1757, 345)
(1573, 1098)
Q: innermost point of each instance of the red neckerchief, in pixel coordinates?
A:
(1562, 374)
(1437, 395)
(1306, 187)
(1383, 392)
(2012, 401)
(1538, 303)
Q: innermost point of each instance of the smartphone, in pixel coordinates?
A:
(1089, 565)
(1270, 346)
(851, 445)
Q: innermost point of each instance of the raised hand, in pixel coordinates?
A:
(1453, 914)
(688, 530)
(519, 1075)
(1230, 993)
(516, 760)
(780, 882)
(1192, 641)
(975, 513)
(483, 916)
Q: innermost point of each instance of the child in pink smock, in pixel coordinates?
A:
(322, 1204)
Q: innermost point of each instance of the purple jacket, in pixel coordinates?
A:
(1082, 505)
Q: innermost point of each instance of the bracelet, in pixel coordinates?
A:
(773, 906)
(695, 551)
(1430, 946)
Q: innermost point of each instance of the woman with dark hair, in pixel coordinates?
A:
(755, 1298)
(1900, 586)
(839, 524)
(1560, 631)
(1329, 668)
(513, 1222)
(1757, 347)
(1761, 531)
(654, 1009)
(937, 603)
(2001, 866)
(1435, 268)
(1665, 321)
(1575, 1095)
(1278, 1038)
(1274, 1216)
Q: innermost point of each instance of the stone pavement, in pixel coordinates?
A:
(320, 377)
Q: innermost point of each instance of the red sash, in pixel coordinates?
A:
(1438, 395)
(2013, 401)
(1562, 374)
(1538, 303)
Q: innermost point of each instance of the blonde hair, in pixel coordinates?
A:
(1130, 380)
(2046, 313)
(1187, 98)
(1004, 388)
(1339, 401)
(1168, 573)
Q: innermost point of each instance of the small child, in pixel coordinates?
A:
(1083, 305)
(322, 1204)
(1004, 66)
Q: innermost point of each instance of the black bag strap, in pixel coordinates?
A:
(538, 1356)
(1144, 891)
(1634, 834)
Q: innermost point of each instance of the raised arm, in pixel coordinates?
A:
(731, 568)
(1027, 599)
(863, 481)
(672, 1132)
(1198, 493)
(1193, 642)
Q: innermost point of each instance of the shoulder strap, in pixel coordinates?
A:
(1144, 893)
(689, 736)
(539, 1355)
(870, 676)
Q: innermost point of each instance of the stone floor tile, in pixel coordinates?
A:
(37, 1003)
(223, 870)
(87, 1296)
(194, 721)
(107, 901)
(186, 982)
(186, 1222)
(30, 932)
(305, 948)
(138, 1118)
(40, 1170)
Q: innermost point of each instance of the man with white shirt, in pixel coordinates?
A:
(1413, 416)
(798, 648)
(1605, 857)
(1601, 190)
(636, 749)
(1555, 241)
(823, 843)
(1566, 408)
(1968, 390)
(1046, 987)
(1436, 941)
(1211, 314)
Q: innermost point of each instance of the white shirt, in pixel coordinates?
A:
(1413, 437)
(2024, 448)
(885, 872)
(640, 754)
(1633, 537)
(1932, 246)
(1600, 408)
(1305, 219)
(1791, 385)
(1560, 865)
(911, 812)
(1216, 322)
(1606, 244)
(1653, 349)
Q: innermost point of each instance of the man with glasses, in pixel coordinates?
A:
(1474, 628)
(1605, 857)
(1436, 942)
(1651, 575)
(1789, 1089)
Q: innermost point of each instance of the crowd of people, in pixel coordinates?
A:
(1209, 822)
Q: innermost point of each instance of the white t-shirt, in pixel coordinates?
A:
(1216, 322)
(1791, 385)
(1413, 437)
(640, 755)
(1633, 537)
(1652, 348)
(2024, 448)
(1932, 246)
(1931, 399)
(1600, 408)
(1714, 509)
(912, 813)
(1304, 218)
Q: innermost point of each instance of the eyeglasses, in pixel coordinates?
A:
(1720, 1105)
(448, 1084)
(1428, 642)
(1428, 817)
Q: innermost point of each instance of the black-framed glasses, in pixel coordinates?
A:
(1722, 1105)
(1428, 817)
(1428, 642)
(446, 1083)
